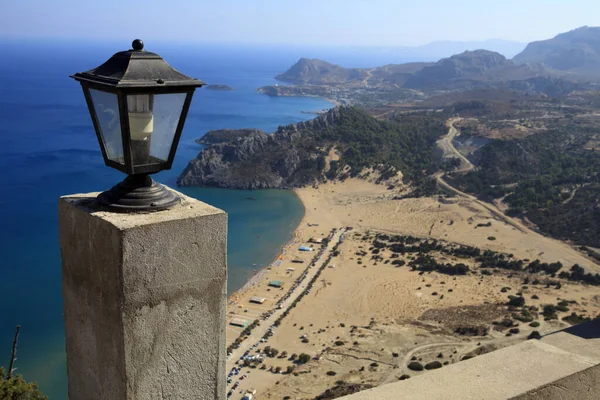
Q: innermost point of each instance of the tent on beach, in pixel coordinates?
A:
(239, 322)
(257, 300)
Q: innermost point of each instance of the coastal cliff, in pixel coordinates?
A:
(225, 135)
(301, 154)
(258, 160)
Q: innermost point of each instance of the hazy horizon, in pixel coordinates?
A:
(355, 23)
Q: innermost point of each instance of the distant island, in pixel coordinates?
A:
(219, 87)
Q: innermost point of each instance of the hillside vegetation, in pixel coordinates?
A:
(575, 51)
(296, 155)
(549, 177)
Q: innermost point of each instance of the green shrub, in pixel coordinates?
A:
(575, 319)
(303, 358)
(534, 324)
(515, 301)
(534, 335)
(16, 388)
(549, 312)
(415, 366)
(433, 365)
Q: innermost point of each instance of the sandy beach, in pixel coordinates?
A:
(363, 312)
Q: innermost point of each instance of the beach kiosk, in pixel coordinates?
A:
(276, 284)
(257, 300)
(239, 322)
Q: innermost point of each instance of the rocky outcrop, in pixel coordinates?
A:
(243, 164)
(261, 161)
(225, 135)
(319, 123)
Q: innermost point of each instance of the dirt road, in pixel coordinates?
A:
(448, 148)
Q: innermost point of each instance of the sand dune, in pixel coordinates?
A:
(376, 309)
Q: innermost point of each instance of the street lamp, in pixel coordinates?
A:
(138, 104)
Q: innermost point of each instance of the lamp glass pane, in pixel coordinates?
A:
(106, 106)
(153, 120)
(167, 111)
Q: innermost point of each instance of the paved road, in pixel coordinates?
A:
(258, 332)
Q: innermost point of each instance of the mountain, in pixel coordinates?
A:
(475, 66)
(555, 67)
(576, 51)
(446, 48)
(315, 71)
(318, 72)
(468, 70)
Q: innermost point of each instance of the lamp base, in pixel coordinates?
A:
(138, 193)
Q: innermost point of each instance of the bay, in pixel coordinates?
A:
(48, 149)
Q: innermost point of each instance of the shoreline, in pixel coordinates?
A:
(297, 236)
(335, 103)
(356, 289)
(260, 272)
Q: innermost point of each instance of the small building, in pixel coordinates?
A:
(257, 300)
(305, 248)
(276, 284)
(239, 322)
(290, 269)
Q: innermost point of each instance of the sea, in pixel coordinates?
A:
(48, 148)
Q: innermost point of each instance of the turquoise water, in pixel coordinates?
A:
(48, 148)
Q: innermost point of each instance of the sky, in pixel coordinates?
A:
(300, 22)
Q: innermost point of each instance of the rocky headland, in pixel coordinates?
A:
(256, 160)
(225, 135)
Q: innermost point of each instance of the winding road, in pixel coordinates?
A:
(447, 147)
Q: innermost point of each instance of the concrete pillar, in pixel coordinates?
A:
(144, 301)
